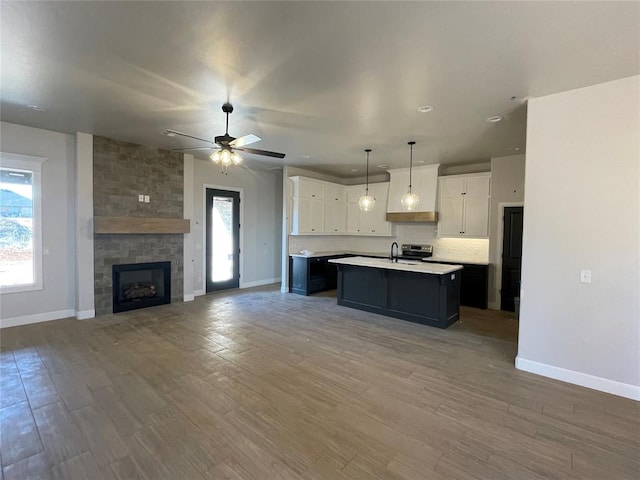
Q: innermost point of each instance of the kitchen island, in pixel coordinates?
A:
(427, 293)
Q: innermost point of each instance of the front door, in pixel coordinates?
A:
(511, 257)
(223, 239)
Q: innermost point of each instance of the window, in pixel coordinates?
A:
(20, 223)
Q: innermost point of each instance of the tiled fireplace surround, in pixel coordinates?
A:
(121, 172)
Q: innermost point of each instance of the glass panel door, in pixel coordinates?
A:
(223, 239)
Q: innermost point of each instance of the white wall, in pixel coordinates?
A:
(582, 211)
(57, 298)
(84, 280)
(507, 186)
(261, 226)
(189, 244)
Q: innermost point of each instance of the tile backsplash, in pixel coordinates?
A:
(455, 249)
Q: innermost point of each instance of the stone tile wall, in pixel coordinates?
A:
(122, 171)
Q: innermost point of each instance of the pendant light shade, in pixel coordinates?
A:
(366, 201)
(410, 200)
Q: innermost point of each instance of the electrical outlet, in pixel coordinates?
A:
(585, 276)
(146, 199)
(141, 198)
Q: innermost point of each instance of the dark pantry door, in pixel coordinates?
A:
(222, 239)
(511, 257)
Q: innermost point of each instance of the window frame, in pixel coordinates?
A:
(34, 165)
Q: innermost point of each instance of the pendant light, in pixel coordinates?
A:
(410, 200)
(366, 201)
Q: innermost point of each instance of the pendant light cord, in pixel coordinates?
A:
(411, 144)
(368, 150)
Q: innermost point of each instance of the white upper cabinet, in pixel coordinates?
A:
(309, 188)
(325, 208)
(464, 205)
(335, 213)
(424, 183)
(373, 222)
(319, 208)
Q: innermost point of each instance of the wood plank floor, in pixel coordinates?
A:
(261, 385)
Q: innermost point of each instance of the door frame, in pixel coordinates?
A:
(240, 191)
(498, 274)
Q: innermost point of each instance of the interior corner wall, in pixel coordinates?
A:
(261, 224)
(507, 186)
(85, 300)
(57, 297)
(582, 212)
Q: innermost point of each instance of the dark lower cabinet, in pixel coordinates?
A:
(474, 284)
(474, 289)
(312, 274)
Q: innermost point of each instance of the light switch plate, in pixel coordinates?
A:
(141, 198)
(146, 199)
(585, 276)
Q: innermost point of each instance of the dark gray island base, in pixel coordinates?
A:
(427, 294)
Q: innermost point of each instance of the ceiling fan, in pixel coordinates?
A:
(225, 145)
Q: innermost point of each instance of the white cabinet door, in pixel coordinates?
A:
(452, 187)
(308, 188)
(353, 218)
(464, 205)
(310, 216)
(335, 217)
(334, 193)
(374, 221)
(477, 186)
(451, 216)
(476, 216)
(380, 192)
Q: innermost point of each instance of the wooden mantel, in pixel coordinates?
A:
(140, 225)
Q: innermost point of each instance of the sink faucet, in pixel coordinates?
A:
(392, 257)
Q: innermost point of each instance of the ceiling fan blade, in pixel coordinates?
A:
(246, 140)
(175, 132)
(261, 152)
(185, 149)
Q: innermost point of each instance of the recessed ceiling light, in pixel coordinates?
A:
(425, 108)
(385, 166)
(354, 169)
(37, 108)
(514, 149)
(420, 161)
(305, 156)
(494, 119)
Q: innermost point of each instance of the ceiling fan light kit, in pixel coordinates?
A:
(226, 155)
(366, 201)
(410, 200)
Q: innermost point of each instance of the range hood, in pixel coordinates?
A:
(424, 183)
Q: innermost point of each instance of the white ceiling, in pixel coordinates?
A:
(319, 79)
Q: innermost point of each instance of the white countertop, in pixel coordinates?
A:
(404, 265)
(339, 252)
(437, 259)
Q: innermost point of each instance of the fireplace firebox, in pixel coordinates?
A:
(141, 285)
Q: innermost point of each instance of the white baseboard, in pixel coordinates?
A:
(258, 283)
(198, 293)
(578, 378)
(85, 314)
(284, 289)
(36, 318)
(188, 298)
